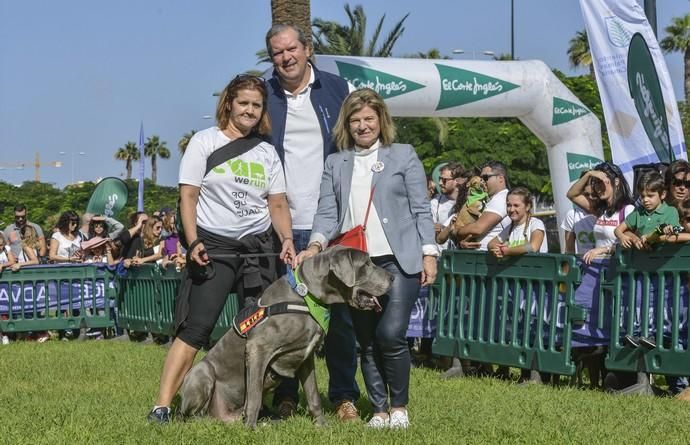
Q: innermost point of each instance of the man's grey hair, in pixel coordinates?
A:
(280, 27)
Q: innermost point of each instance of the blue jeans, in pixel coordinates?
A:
(340, 347)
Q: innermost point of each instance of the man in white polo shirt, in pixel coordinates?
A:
(494, 218)
(303, 104)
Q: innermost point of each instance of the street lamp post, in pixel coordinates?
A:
(72, 153)
(512, 29)
(474, 53)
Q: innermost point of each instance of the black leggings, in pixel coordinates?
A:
(208, 298)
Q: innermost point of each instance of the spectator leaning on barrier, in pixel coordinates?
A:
(65, 243)
(13, 235)
(525, 234)
(7, 258)
(29, 254)
(639, 228)
(494, 219)
(611, 205)
(678, 182)
(303, 104)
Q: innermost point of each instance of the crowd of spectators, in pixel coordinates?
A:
(605, 215)
(90, 239)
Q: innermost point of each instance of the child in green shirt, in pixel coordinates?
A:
(638, 227)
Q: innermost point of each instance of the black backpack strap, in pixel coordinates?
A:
(231, 150)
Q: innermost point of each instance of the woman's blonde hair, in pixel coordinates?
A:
(353, 103)
(147, 234)
(230, 92)
(29, 237)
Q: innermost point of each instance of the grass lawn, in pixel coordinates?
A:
(99, 392)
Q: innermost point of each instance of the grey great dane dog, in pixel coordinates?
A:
(233, 377)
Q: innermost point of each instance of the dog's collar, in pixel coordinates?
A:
(320, 312)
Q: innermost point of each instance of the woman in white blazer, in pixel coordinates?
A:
(400, 238)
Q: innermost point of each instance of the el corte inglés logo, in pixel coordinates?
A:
(385, 84)
(459, 87)
(577, 163)
(565, 111)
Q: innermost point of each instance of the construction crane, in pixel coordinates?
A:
(36, 163)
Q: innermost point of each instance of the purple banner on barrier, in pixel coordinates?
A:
(51, 295)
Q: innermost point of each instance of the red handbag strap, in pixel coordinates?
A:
(366, 216)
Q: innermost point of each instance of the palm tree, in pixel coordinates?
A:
(578, 52)
(293, 12)
(184, 141)
(128, 153)
(155, 148)
(678, 39)
(333, 38)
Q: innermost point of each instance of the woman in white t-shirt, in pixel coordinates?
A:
(525, 234)
(237, 207)
(610, 204)
(29, 242)
(65, 244)
(7, 259)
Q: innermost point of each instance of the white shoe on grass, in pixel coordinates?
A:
(399, 419)
(377, 422)
(5, 340)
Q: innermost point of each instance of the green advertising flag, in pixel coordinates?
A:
(645, 90)
(109, 197)
(577, 163)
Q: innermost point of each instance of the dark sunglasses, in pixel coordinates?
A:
(678, 182)
(98, 223)
(590, 195)
(19, 217)
(444, 180)
(486, 177)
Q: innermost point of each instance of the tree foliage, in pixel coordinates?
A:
(45, 202)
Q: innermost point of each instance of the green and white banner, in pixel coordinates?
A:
(635, 87)
(108, 198)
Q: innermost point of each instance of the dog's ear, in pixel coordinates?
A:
(345, 264)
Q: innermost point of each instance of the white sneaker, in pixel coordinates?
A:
(377, 422)
(5, 340)
(399, 419)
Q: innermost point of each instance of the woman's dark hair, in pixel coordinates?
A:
(675, 167)
(97, 219)
(64, 220)
(621, 192)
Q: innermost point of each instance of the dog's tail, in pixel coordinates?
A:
(197, 389)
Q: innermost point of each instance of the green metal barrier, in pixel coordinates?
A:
(146, 302)
(516, 311)
(39, 298)
(656, 282)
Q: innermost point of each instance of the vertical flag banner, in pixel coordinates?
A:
(142, 164)
(109, 197)
(636, 92)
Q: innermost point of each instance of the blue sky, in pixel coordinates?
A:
(79, 76)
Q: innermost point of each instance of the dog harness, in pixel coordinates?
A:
(251, 316)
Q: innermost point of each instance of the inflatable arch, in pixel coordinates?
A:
(527, 90)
